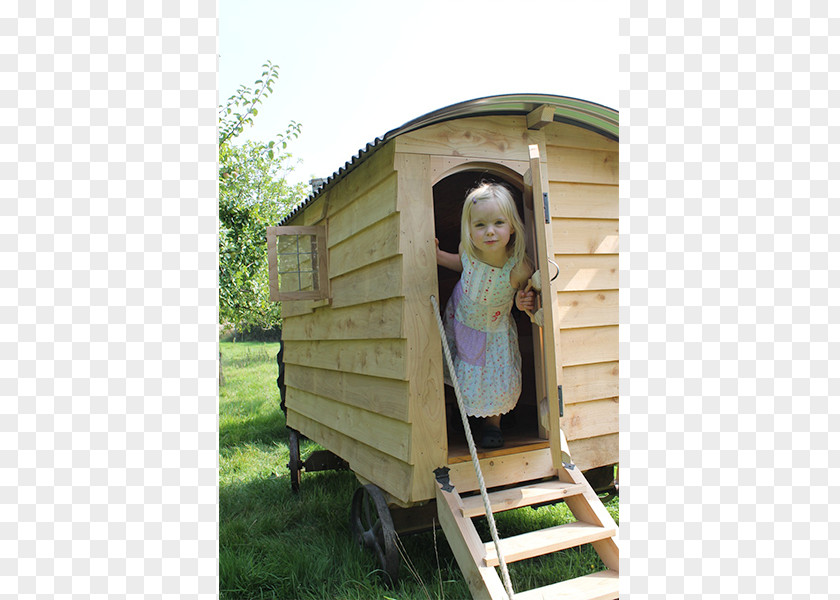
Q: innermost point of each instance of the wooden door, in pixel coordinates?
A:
(550, 386)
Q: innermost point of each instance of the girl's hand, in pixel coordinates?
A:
(526, 300)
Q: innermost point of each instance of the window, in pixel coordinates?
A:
(297, 263)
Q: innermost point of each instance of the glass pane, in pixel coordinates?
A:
(289, 282)
(297, 262)
(287, 263)
(306, 280)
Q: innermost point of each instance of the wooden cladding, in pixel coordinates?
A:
(364, 368)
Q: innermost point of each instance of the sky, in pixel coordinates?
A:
(351, 71)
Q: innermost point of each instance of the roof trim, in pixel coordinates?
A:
(573, 111)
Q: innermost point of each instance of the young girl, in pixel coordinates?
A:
(479, 327)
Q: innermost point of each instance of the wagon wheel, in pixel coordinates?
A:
(373, 528)
(295, 465)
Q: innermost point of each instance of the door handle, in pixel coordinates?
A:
(556, 266)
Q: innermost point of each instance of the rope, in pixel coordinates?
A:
(488, 511)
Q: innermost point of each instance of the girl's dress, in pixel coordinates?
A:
(482, 338)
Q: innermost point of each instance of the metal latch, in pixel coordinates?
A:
(442, 477)
(545, 206)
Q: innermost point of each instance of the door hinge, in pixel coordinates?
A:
(560, 398)
(442, 477)
(545, 205)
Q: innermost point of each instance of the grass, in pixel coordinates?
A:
(277, 544)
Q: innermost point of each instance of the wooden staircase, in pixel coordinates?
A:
(478, 559)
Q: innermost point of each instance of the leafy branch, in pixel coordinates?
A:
(241, 108)
(253, 194)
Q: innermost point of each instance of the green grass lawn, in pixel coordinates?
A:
(277, 544)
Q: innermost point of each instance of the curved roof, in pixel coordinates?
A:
(581, 113)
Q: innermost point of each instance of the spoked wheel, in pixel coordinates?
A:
(373, 528)
(295, 465)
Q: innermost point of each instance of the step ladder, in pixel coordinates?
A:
(477, 560)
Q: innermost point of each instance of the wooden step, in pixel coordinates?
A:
(544, 541)
(597, 586)
(528, 495)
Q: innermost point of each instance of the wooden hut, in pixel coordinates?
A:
(356, 265)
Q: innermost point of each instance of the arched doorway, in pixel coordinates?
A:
(520, 426)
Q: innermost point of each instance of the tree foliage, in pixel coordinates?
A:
(253, 194)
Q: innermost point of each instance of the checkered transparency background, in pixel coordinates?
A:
(108, 395)
(729, 312)
(730, 208)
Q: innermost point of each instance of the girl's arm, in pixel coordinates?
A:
(447, 259)
(519, 276)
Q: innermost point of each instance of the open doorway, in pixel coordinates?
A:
(520, 426)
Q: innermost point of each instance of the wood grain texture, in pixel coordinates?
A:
(591, 344)
(377, 358)
(501, 137)
(590, 419)
(562, 134)
(580, 272)
(582, 383)
(552, 347)
(444, 166)
(390, 474)
(593, 452)
(386, 397)
(370, 207)
(602, 585)
(377, 242)
(587, 507)
(376, 320)
(575, 165)
(378, 281)
(364, 177)
(425, 362)
(587, 309)
(540, 117)
(583, 200)
(585, 236)
(382, 433)
(503, 470)
(467, 547)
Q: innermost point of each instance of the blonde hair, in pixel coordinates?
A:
(493, 192)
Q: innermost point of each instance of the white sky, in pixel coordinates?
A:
(352, 70)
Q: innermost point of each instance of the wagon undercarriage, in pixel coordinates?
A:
(375, 525)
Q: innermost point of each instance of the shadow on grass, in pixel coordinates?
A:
(275, 543)
(259, 429)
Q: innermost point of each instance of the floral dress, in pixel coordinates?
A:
(483, 339)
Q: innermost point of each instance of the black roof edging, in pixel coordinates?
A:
(486, 106)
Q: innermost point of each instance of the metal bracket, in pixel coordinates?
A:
(560, 398)
(442, 477)
(324, 460)
(545, 205)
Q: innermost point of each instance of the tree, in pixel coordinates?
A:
(253, 194)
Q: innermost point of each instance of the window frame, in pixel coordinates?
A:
(320, 234)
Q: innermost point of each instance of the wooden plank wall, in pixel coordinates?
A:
(363, 369)
(347, 363)
(583, 190)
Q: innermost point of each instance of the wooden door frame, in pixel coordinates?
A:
(536, 188)
(516, 173)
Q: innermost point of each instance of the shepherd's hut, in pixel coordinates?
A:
(355, 269)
